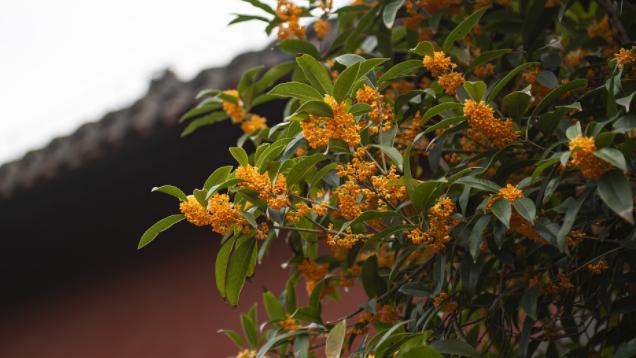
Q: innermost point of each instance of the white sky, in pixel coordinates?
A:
(66, 62)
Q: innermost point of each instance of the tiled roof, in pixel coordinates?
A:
(166, 99)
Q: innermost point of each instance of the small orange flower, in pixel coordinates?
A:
(234, 110)
(583, 149)
(438, 64)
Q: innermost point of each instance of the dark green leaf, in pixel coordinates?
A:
(507, 78)
(217, 177)
(503, 211)
(613, 156)
(237, 269)
(273, 307)
(424, 48)
(455, 347)
(171, 190)
(461, 30)
(516, 103)
(477, 236)
(158, 227)
(240, 155)
(488, 56)
(402, 69)
(315, 73)
(616, 192)
(295, 47)
(203, 121)
(435, 110)
(317, 108)
(345, 81)
(475, 89)
(525, 207)
(302, 91)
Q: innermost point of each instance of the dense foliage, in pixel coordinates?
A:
(468, 163)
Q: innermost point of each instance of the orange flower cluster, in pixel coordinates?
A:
(289, 14)
(510, 193)
(251, 179)
(312, 272)
(597, 267)
(342, 125)
(481, 118)
(601, 29)
(573, 58)
(318, 130)
(583, 149)
(223, 215)
(574, 238)
(289, 323)
(413, 21)
(345, 239)
(246, 353)
(194, 212)
(387, 189)
(348, 194)
(442, 67)
(234, 110)
(381, 113)
(254, 123)
(357, 169)
(438, 64)
(262, 231)
(322, 28)
(625, 57)
(443, 301)
(441, 220)
(484, 71)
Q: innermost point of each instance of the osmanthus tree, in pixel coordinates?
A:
(468, 163)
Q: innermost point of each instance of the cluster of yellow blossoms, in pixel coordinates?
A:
(289, 14)
(275, 194)
(237, 114)
(289, 323)
(442, 67)
(441, 300)
(481, 119)
(597, 267)
(583, 149)
(626, 59)
(318, 130)
(344, 239)
(313, 272)
(246, 353)
(441, 221)
(381, 113)
(220, 213)
(484, 71)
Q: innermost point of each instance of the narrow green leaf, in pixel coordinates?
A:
(302, 91)
(616, 192)
(273, 307)
(402, 69)
(162, 225)
(317, 108)
(345, 81)
(503, 211)
(171, 190)
(445, 123)
(435, 110)
(302, 168)
(217, 177)
(461, 30)
(392, 153)
(237, 269)
(296, 46)
(423, 48)
(507, 78)
(335, 340)
(478, 183)
(613, 156)
(203, 121)
(525, 207)
(315, 73)
(390, 11)
(359, 109)
(240, 155)
(529, 301)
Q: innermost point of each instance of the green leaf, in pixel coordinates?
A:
(455, 347)
(626, 101)
(390, 11)
(626, 350)
(525, 207)
(345, 81)
(249, 328)
(315, 73)
(475, 89)
(478, 183)
(402, 69)
(217, 177)
(237, 269)
(295, 47)
(547, 79)
(261, 5)
(203, 121)
(507, 78)
(435, 110)
(487, 56)
(573, 207)
(235, 337)
(359, 109)
(543, 166)
(371, 280)
(317, 108)
(303, 167)
(273, 307)
(335, 340)
(272, 75)
(557, 93)
(616, 192)
(242, 18)
(240, 155)
(477, 237)
(392, 153)
(171, 190)
(200, 110)
(503, 211)
(421, 352)
(221, 263)
(613, 156)
(301, 91)
(445, 123)
(461, 30)
(515, 104)
(158, 227)
(424, 48)
(529, 301)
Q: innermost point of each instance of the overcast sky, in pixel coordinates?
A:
(66, 62)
